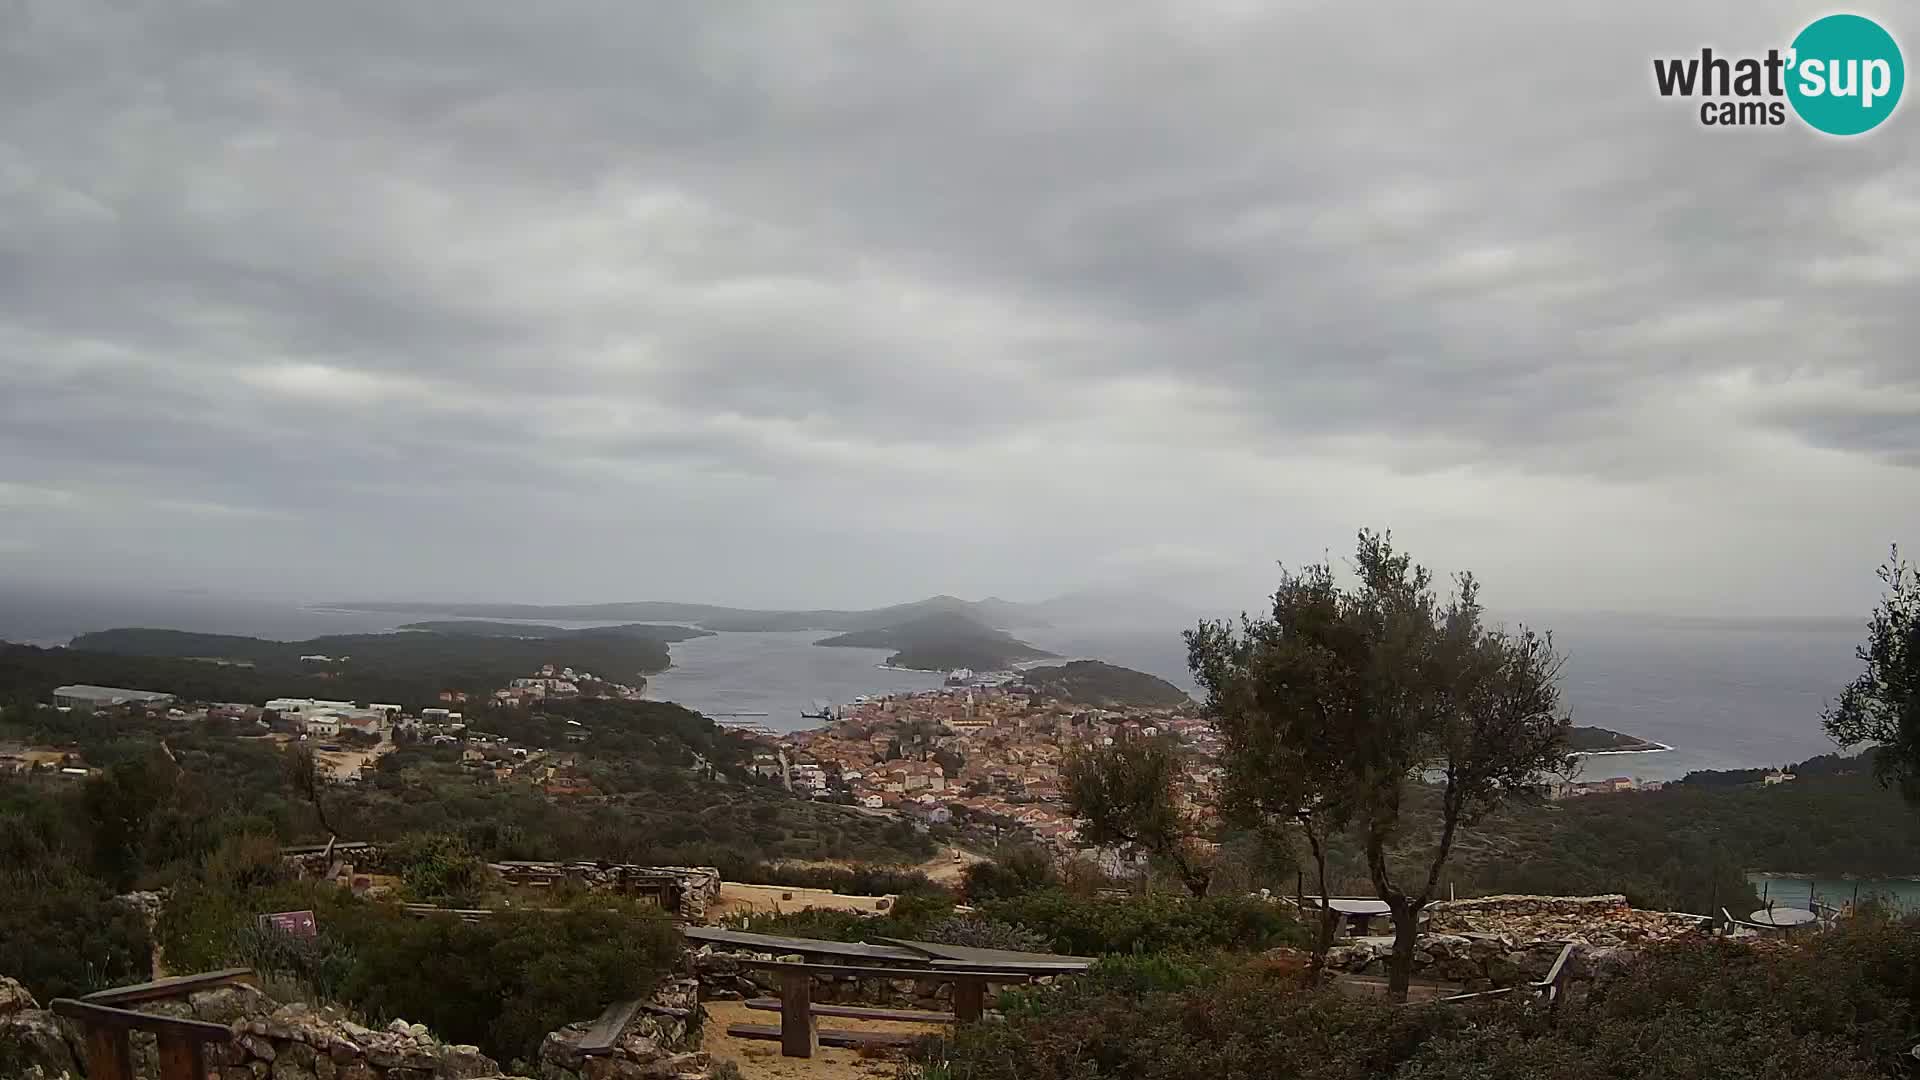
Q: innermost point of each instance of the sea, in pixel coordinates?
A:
(1719, 693)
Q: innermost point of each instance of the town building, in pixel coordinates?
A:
(86, 696)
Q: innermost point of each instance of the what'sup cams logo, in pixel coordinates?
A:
(1842, 75)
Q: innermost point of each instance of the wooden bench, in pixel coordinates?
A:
(605, 1030)
(797, 1033)
(861, 1012)
(181, 1043)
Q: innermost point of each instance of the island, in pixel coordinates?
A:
(1095, 682)
(942, 641)
(407, 667)
(1598, 740)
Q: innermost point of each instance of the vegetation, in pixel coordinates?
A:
(1882, 705)
(1350, 698)
(1844, 1006)
(1589, 739)
(501, 983)
(1129, 794)
(942, 641)
(1054, 920)
(1161, 923)
(1092, 682)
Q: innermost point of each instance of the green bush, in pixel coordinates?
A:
(62, 933)
(437, 868)
(1096, 926)
(1843, 1005)
(1015, 871)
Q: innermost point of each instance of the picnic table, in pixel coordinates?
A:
(1783, 918)
(798, 1033)
(1357, 912)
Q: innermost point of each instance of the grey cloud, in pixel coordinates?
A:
(982, 284)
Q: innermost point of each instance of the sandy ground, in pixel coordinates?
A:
(759, 1059)
(948, 866)
(738, 899)
(346, 763)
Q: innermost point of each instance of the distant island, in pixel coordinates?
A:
(991, 612)
(406, 668)
(1598, 740)
(942, 641)
(1103, 607)
(487, 628)
(1094, 682)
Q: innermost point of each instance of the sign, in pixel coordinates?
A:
(1842, 75)
(298, 924)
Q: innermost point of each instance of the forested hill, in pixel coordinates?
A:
(942, 642)
(991, 612)
(1093, 682)
(410, 668)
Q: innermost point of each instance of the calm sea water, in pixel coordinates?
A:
(1723, 696)
(1901, 895)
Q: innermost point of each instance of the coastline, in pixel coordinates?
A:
(1651, 748)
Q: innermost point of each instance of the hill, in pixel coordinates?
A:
(991, 611)
(1093, 682)
(488, 628)
(406, 668)
(1595, 739)
(942, 641)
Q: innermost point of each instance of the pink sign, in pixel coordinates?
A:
(295, 923)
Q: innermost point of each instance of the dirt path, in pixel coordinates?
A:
(759, 1059)
(950, 865)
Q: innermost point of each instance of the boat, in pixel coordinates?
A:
(822, 710)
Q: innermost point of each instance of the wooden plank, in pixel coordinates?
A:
(829, 1036)
(939, 975)
(861, 1012)
(108, 1055)
(181, 1057)
(606, 1028)
(969, 998)
(177, 986)
(96, 1017)
(797, 1027)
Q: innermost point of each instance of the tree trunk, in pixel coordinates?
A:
(1406, 933)
(1329, 919)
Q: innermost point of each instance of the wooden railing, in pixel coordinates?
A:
(181, 1043)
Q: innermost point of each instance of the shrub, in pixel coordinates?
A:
(439, 869)
(1096, 926)
(1016, 871)
(976, 933)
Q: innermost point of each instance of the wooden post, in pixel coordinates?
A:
(108, 1055)
(969, 998)
(797, 1035)
(180, 1057)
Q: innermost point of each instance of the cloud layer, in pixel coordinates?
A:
(843, 303)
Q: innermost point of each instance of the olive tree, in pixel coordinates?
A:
(1882, 705)
(1130, 793)
(1271, 692)
(1335, 705)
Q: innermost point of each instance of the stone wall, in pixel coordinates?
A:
(722, 978)
(697, 887)
(659, 1042)
(306, 1042)
(1500, 941)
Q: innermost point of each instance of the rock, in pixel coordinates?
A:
(694, 1062)
(400, 1027)
(464, 1062)
(285, 1069)
(236, 1072)
(324, 1068)
(226, 1004)
(14, 997)
(36, 1042)
(359, 1070)
(258, 1046)
(343, 1052)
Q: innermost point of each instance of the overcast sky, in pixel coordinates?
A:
(806, 303)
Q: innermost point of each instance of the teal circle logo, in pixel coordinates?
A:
(1846, 74)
